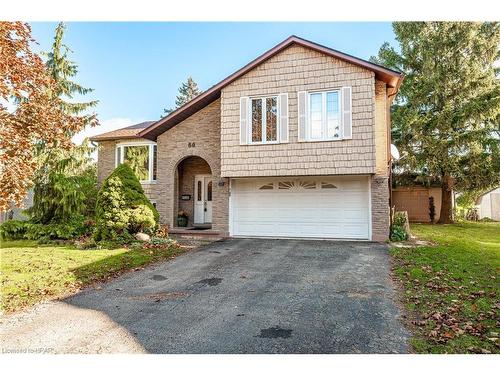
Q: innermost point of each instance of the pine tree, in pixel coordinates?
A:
(63, 183)
(188, 91)
(62, 69)
(446, 115)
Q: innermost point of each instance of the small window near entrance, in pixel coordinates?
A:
(209, 191)
(198, 197)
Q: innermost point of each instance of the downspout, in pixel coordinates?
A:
(390, 98)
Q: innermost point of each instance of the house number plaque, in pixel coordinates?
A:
(191, 144)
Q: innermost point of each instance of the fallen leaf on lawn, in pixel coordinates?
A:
(448, 335)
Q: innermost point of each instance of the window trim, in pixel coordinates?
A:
(151, 146)
(264, 141)
(324, 120)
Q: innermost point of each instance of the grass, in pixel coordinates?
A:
(451, 288)
(30, 273)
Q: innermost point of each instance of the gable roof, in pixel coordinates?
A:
(128, 132)
(391, 77)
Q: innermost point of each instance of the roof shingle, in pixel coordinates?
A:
(128, 132)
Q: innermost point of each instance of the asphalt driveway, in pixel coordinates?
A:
(233, 296)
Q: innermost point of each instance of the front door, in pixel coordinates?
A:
(202, 199)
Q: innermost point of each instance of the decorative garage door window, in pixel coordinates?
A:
(327, 185)
(296, 185)
(268, 186)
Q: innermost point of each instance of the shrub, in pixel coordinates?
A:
(13, 230)
(122, 209)
(17, 230)
(432, 209)
(65, 185)
(399, 227)
(472, 214)
(398, 234)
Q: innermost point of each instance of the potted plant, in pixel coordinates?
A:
(182, 219)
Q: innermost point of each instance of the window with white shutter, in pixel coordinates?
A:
(347, 112)
(302, 108)
(264, 120)
(243, 120)
(283, 110)
(325, 115)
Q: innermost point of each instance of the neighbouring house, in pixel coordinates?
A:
(294, 144)
(488, 205)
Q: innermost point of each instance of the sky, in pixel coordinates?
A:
(136, 68)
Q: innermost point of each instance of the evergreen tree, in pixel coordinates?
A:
(188, 91)
(446, 115)
(64, 183)
(62, 70)
(122, 209)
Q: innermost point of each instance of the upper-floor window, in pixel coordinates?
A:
(264, 120)
(324, 116)
(142, 158)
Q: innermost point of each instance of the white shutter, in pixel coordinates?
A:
(243, 120)
(302, 108)
(347, 112)
(283, 121)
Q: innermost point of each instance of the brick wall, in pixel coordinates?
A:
(202, 129)
(296, 69)
(380, 207)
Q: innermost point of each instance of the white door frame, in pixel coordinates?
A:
(206, 206)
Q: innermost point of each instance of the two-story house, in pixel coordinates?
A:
(294, 144)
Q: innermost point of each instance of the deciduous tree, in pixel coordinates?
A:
(31, 112)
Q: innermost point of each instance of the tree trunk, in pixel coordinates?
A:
(446, 215)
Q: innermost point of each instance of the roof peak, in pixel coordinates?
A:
(390, 77)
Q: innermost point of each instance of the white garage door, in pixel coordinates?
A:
(323, 207)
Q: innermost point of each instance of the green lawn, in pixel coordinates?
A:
(31, 273)
(451, 289)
